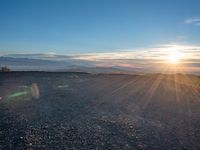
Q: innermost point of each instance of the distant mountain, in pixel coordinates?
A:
(99, 70)
(73, 65)
(28, 64)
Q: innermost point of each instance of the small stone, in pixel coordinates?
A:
(141, 146)
(184, 148)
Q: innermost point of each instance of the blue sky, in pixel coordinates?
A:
(92, 26)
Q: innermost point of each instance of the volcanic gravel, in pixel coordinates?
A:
(103, 111)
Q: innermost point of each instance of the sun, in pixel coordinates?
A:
(174, 57)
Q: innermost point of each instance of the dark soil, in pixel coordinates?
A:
(84, 111)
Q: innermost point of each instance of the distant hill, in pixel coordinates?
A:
(72, 65)
(28, 64)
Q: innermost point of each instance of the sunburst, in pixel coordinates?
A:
(174, 57)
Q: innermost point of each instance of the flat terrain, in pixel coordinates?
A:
(84, 111)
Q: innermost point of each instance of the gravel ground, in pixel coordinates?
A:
(85, 111)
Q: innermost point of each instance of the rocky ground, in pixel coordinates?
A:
(84, 111)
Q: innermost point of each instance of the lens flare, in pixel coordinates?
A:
(23, 93)
(18, 94)
(35, 90)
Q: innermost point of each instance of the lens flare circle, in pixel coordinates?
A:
(35, 90)
(23, 93)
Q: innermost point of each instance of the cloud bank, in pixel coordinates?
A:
(151, 59)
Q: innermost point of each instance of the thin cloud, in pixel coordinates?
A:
(144, 59)
(154, 53)
(46, 56)
(193, 21)
(158, 52)
(147, 59)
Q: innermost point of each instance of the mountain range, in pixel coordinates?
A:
(29, 64)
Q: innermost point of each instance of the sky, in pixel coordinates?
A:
(100, 28)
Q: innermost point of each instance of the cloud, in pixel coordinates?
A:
(193, 21)
(46, 56)
(156, 53)
(150, 59)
